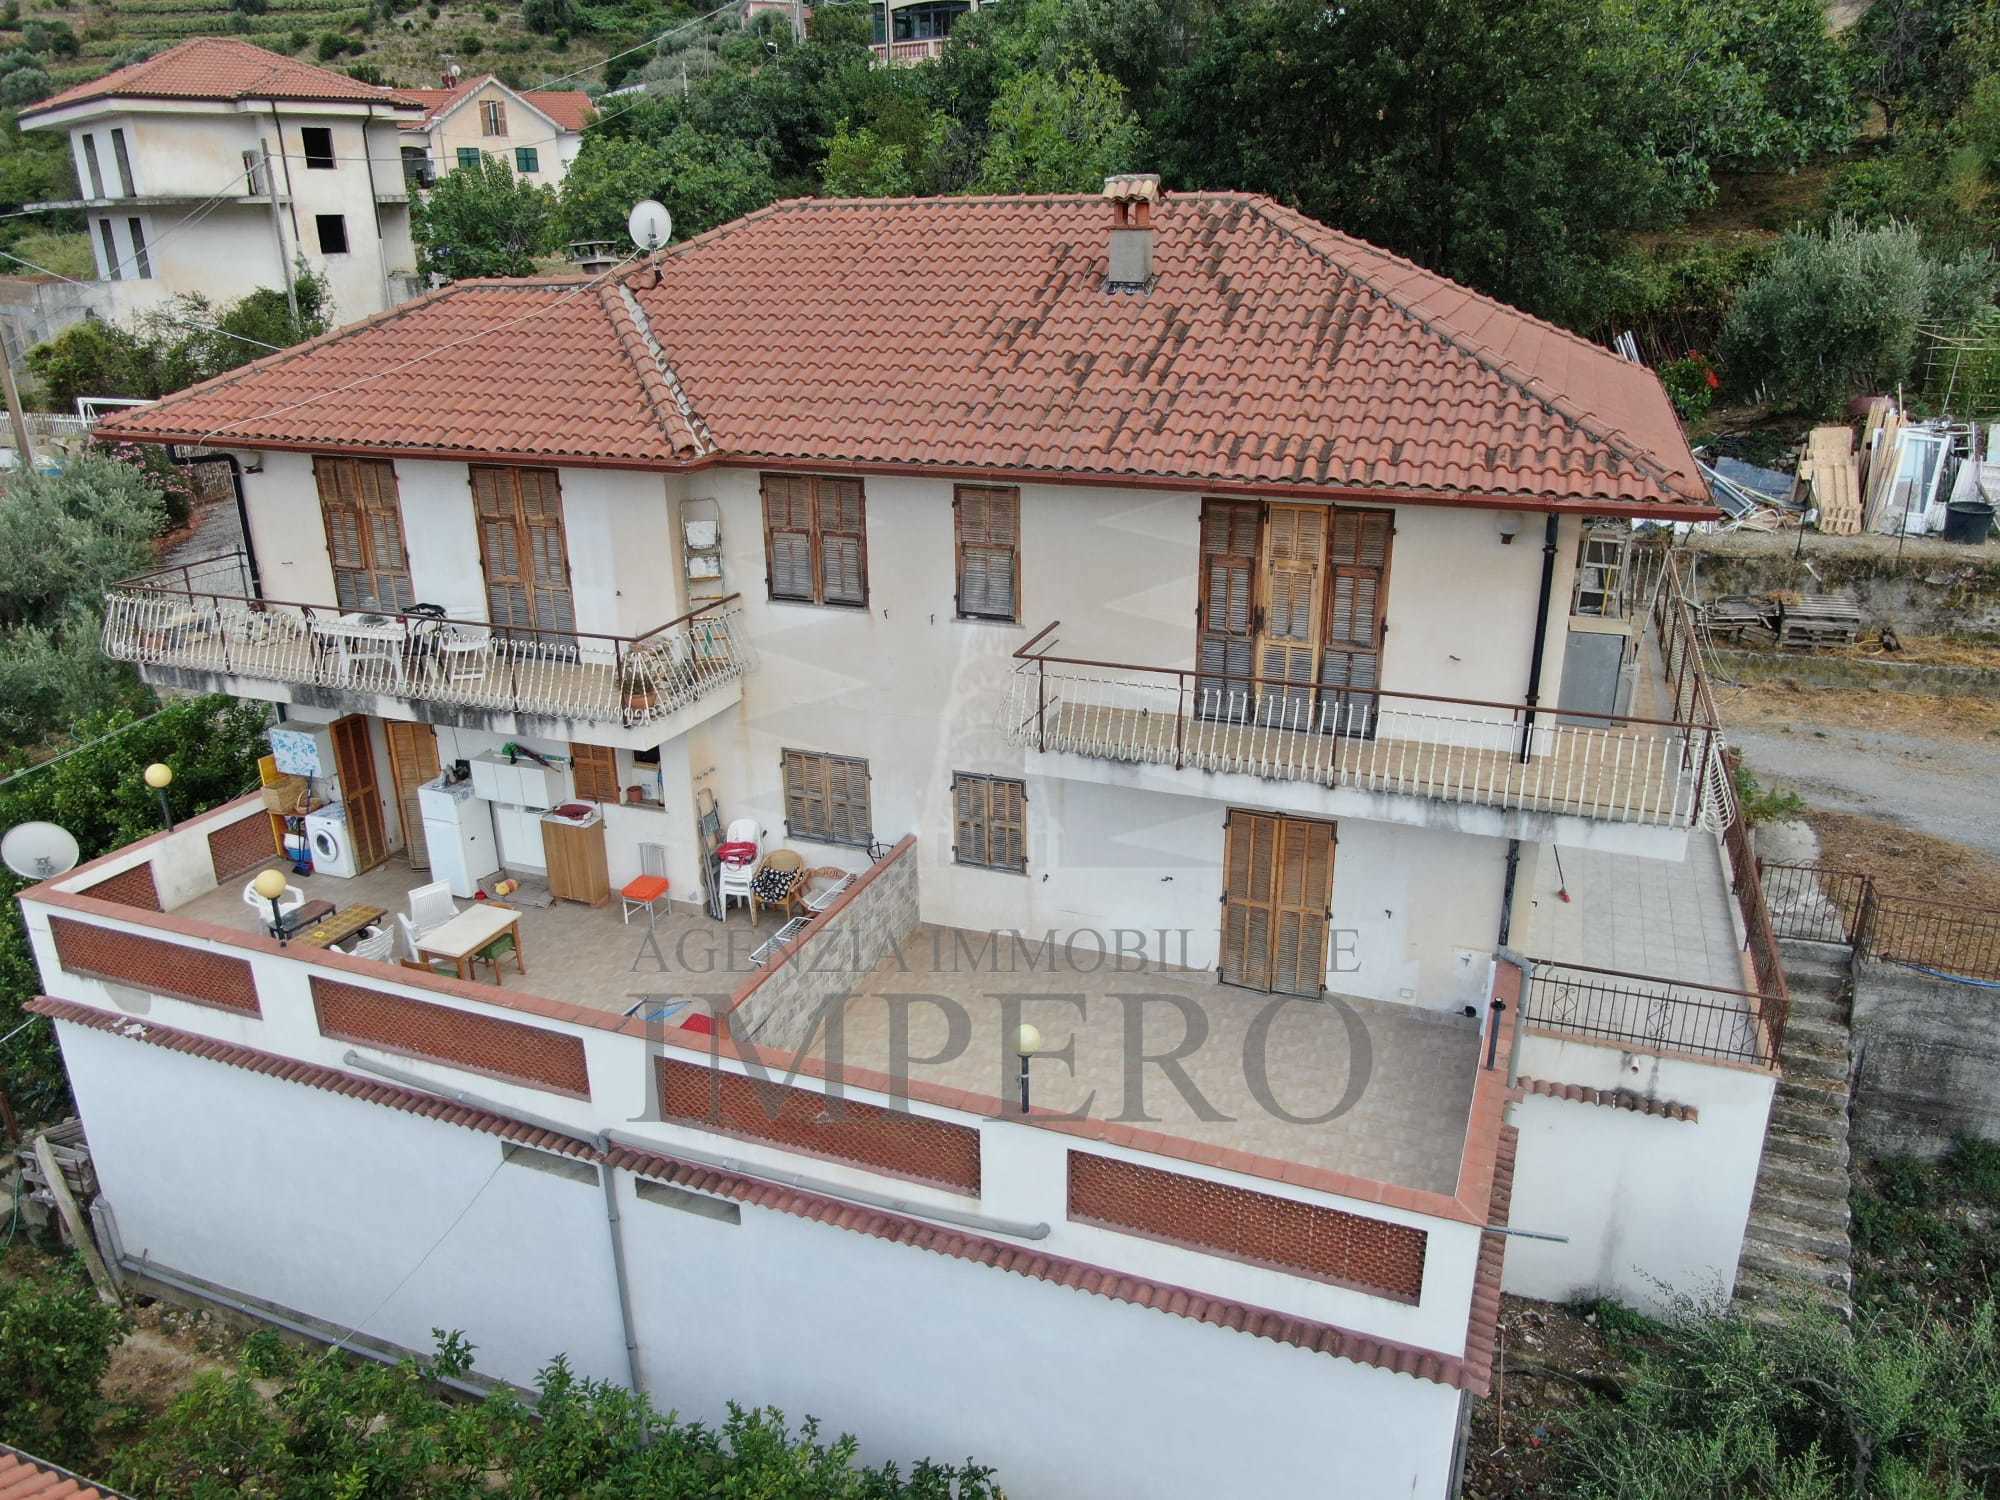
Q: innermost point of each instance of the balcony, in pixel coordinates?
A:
(1514, 770)
(200, 626)
(907, 54)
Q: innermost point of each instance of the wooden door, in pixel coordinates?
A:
(1357, 596)
(1288, 640)
(360, 792)
(1226, 634)
(1277, 902)
(522, 548)
(413, 760)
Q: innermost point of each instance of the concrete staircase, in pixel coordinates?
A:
(1796, 1240)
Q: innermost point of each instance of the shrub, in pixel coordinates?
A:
(470, 44)
(367, 73)
(1691, 385)
(298, 41)
(55, 1345)
(24, 86)
(490, 15)
(1836, 313)
(331, 45)
(1762, 805)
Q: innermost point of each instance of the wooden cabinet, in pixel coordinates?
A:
(577, 868)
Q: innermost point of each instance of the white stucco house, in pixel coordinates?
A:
(537, 132)
(1161, 620)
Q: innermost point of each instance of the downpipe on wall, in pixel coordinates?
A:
(1541, 644)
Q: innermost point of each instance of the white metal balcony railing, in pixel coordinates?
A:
(1663, 773)
(179, 618)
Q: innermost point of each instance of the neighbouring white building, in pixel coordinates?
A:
(1166, 621)
(537, 132)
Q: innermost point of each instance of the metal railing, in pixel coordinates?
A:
(184, 617)
(1821, 904)
(1701, 1020)
(1759, 934)
(1508, 755)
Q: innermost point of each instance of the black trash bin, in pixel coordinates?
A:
(1968, 520)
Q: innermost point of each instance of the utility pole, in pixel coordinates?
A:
(278, 233)
(25, 454)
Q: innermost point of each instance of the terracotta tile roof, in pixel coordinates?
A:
(24, 1477)
(1466, 1373)
(1666, 1109)
(569, 108)
(223, 68)
(977, 333)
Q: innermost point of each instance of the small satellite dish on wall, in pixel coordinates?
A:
(651, 225)
(38, 851)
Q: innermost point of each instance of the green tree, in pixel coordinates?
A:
(702, 180)
(861, 164)
(55, 1345)
(1835, 313)
(1060, 131)
(66, 536)
(482, 221)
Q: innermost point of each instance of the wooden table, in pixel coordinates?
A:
(342, 924)
(299, 918)
(472, 930)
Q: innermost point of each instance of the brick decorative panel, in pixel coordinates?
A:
(897, 1142)
(133, 887)
(239, 846)
(162, 968)
(1303, 1238)
(511, 1050)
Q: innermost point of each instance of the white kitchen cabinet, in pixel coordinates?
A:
(521, 784)
(520, 830)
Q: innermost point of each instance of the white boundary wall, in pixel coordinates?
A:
(1653, 1206)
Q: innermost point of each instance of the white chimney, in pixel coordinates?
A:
(1132, 196)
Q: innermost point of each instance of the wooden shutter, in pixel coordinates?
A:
(413, 760)
(595, 771)
(972, 809)
(1249, 851)
(1227, 626)
(805, 794)
(1302, 893)
(849, 820)
(990, 819)
(1288, 645)
(788, 541)
(522, 548)
(500, 553)
(364, 533)
(843, 541)
(1358, 595)
(547, 549)
(988, 523)
(354, 760)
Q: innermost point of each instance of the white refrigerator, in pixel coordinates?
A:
(458, 825)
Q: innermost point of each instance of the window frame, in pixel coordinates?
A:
(492, 117)
(113, 266)
(816, 534)
(593, 769)
(93, 167)
(823, 763)
(343, 476)
(339, 222)
(322, 159)
(123, 162)
(527, 160)
(986, 822)
(469, 156)
(985, 493)
(142, 262)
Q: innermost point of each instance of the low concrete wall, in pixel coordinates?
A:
(777, 1006)
(1881, 674)
(1926, 1060)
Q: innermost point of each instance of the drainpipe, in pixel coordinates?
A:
(243, 525)
(1507, 892)
(1541, 635)
(597, 1143)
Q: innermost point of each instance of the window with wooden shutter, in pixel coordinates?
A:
(522, 549)
(493, 114)
(1225, 651)
(359, 505)
(594, 768)
(815, 539)
(987, 521)
(1277, 898)
(826, 798)
(1357, 596)
(990, 818)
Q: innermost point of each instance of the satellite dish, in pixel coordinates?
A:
(651, 225)
(39, 851)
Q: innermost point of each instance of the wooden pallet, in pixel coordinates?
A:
(1819, 620)
(1830, 479)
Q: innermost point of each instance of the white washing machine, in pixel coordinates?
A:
(326, 837)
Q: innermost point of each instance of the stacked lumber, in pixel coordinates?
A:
(1830, 469)
(1878, 444)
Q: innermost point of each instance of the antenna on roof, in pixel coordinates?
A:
(651, 226)
(39, 851)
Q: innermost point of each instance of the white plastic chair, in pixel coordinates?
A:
(733, 880)
(431, 906)
(288, 903)
(379, 944)
(465, 645)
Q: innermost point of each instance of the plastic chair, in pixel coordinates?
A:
(733, 877)
(431, 906)
(378, 943)
(647, 889)
(465, 646)
(288, 903)
(496, 953)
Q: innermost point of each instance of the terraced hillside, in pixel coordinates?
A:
(410, 47)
